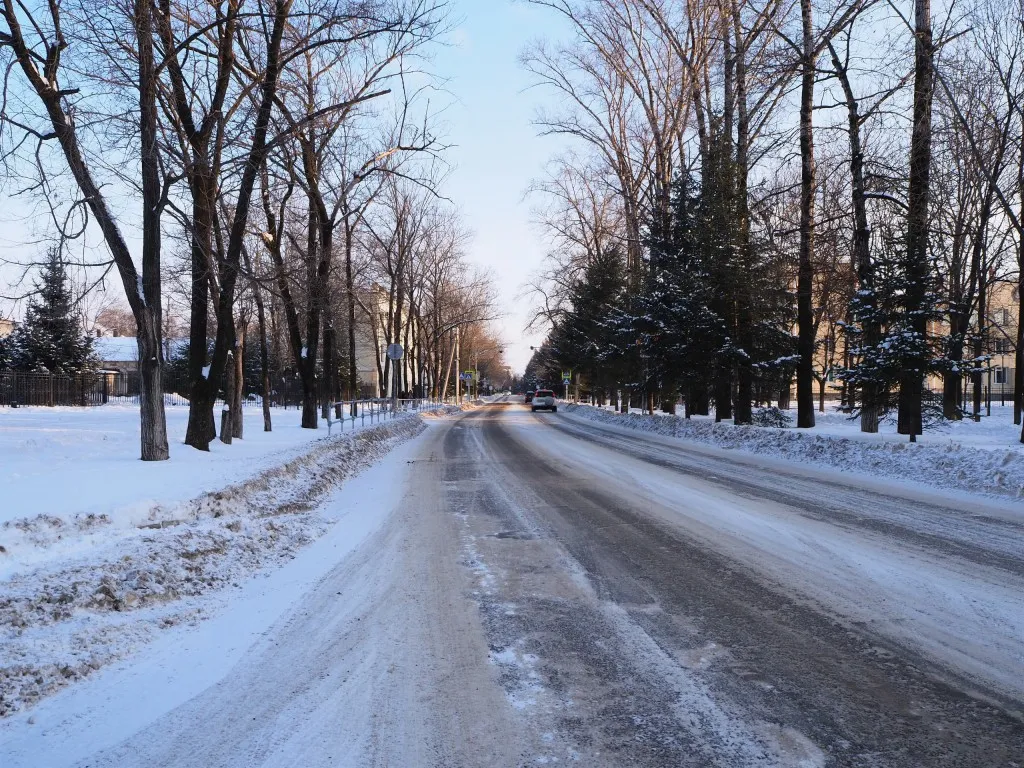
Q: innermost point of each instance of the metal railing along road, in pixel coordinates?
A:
(375, 410)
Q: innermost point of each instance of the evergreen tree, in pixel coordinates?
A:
(719, 246)
(587, 338)
(688, 317)
(51, 337)
(901, 346)
(683, 335)
(5, 353)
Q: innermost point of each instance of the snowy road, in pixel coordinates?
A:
(542, 589)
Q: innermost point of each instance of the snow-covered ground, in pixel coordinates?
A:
(985, 457)
(67, 462)
(460, 607)
(995, 431)
(190, 656)
(98, 550)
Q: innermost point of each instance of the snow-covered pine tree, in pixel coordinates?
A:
(719, 245)
(586, 339)
(682, 336)
(900, 345)
(50, 338)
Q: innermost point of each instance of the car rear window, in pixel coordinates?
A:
(545, 393)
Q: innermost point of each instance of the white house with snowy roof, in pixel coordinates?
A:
(120, 354)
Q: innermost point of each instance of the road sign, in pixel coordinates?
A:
(470, 375)
(566, 375)
(567, 382)
(395, 352)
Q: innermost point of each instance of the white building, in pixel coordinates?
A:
(371, 342)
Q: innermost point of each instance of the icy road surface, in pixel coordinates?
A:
(543, 590)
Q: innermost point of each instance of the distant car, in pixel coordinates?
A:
(544, 399)
(529, 396)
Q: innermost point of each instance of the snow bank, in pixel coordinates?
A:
(955, 465)
(63, 619)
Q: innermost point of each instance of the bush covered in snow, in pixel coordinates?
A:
(772, 417)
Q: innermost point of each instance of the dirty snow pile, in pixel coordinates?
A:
(107, 587)
(994, 467)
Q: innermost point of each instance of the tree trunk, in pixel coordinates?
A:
(261, 325)
(147, 289)
(979, 347)
(1018, 356)
(952, 382)
(726, 304)
(201, 427)
(310, 404)
(203, 138)
(151, 395)
(910, 420)
(698, 401)
(350, 291)
(226, 430)
(805, 277)
(310, 387)
(866, 300)
(744, 312)
(238, 390)
(785, 395)
(1018, 373)
(329, 370)
(268, 425)
(847, 394)
(723, 395)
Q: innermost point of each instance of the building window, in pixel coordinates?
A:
(1002, 375)
(1002, 346)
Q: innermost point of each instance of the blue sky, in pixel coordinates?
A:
(497, 152)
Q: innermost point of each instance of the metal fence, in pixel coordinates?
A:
(19, 388)
(374, 410)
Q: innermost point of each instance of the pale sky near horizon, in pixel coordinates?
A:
(488, 107)
(497, 152)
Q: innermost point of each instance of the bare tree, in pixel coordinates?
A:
(330, 163)
(39, 56)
